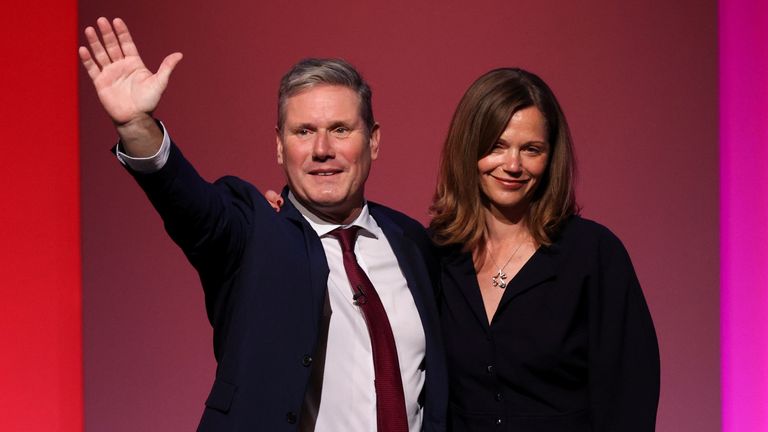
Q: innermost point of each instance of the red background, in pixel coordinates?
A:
(638, 82)
(40, 326)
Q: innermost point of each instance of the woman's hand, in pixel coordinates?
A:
(274, 199)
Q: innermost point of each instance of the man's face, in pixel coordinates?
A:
(326, 151)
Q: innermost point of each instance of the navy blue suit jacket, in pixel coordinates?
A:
(265, 280)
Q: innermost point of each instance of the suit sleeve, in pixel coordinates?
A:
(209, 221)
(624, 352)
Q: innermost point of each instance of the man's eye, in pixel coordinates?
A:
(342, 131)
(302, 132)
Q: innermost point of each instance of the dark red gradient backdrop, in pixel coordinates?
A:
(638, 82)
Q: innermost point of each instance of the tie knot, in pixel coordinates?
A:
(346, 237)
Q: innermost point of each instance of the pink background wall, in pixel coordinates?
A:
(638, 82)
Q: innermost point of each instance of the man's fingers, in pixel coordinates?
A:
(166, 67)
(111, 44)
(124, 36)
(90, 66)
(99, 55)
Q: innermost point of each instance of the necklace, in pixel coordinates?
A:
(499, 279)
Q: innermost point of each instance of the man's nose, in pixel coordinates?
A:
(322, 147)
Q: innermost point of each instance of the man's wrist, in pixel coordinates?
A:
(151, 163)
(140, 137)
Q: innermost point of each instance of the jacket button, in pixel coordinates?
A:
(498, 422)
(499, 397)
(291, 417)
(306, 361)
(489, 369)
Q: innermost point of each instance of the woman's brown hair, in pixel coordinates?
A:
(480, 119)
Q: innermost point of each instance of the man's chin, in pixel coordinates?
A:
(333, 208)
(325, 201)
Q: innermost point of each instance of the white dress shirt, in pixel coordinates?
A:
(348, 395)
(348, 399)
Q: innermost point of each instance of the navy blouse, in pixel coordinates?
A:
(571, 347)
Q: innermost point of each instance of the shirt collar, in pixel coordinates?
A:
(323, 227)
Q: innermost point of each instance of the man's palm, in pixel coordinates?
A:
(126, 88)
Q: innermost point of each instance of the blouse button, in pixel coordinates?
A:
(291, 417)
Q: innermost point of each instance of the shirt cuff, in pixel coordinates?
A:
(147, 164)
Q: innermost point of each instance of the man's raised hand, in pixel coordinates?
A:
(128, 90)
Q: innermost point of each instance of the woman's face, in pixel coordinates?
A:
(511, 172)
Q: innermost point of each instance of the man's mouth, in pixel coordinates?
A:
(324, 172)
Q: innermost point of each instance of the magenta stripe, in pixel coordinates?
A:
(744, 214)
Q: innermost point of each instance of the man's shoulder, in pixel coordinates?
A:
(394, 222)
(400, 219)
(240, 190)
(236, 183)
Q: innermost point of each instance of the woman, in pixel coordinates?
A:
(545, 325)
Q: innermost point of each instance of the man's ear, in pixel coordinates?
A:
(373, 142)
(279, 142)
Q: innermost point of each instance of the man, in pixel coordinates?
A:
(323, 313)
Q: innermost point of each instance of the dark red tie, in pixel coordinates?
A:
(390, 401)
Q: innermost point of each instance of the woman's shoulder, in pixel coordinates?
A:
(583, 232)
(578, 224)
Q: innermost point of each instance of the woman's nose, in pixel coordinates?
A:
(512, 161)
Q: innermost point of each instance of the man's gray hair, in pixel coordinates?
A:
(318, 71)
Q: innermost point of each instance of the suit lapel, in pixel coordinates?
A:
(407, 255)
(416, 270)
(317, 266)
